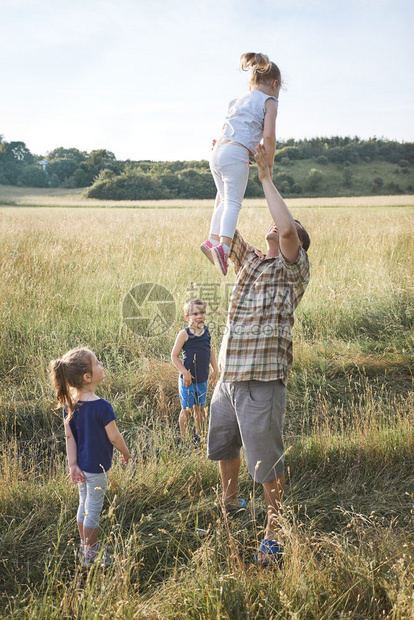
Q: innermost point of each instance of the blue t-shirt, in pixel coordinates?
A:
(196, 355)
(88, 428)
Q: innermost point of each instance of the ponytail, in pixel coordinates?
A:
(261, 68)
(61, 386)
(67, 373)
(260, 62)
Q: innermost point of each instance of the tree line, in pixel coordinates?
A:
(302, 167)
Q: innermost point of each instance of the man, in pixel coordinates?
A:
(248, 403)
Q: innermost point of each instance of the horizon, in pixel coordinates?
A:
(298, 140)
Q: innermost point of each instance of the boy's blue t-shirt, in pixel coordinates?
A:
(88, 428)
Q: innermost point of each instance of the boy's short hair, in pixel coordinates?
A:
(188, 306)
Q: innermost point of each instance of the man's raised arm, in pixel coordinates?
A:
(288, 237)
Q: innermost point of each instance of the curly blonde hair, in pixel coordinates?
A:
(262, 70)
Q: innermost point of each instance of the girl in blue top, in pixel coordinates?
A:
(249, 120)
(91, 433)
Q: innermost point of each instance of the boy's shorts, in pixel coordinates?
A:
(249, 414)
(194, 394)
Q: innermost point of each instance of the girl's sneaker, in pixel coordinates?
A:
(206, 247)
(96, 554)
(220, 258)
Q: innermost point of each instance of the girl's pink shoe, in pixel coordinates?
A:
(206, 248)
(220, 258)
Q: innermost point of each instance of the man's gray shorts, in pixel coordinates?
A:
(249, 414)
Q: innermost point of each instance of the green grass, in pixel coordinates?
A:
(348, 520)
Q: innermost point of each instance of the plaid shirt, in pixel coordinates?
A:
(257, 343)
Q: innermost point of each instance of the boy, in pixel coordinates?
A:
(194, 342)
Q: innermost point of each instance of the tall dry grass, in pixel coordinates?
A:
(346, 527)
(347, 523)
(65, 273)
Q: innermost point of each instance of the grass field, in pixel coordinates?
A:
(60, 197)
(348, 519)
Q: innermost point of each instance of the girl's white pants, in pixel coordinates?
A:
(229, 165)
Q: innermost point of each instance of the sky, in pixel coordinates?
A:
(153, 79)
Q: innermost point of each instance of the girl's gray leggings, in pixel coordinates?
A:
(91, 497)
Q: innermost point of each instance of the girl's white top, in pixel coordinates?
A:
(245, 119)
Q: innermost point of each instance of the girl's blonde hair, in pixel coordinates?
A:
(68, 373)
(261, 68)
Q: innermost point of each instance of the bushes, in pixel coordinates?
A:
(196, 184)
(134, 184)
(299, 178)
(377, 185)
(286, 185)
(315, 178)
(347, 174)
(291, 152)
(33, 176)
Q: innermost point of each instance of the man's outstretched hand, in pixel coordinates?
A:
(261, 161)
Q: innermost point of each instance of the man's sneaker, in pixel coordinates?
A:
(96, 554)
(205, 247)
(271, 549)
(220, 258)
